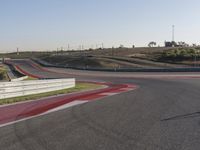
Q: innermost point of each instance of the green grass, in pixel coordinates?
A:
(30, 78)
(181, 54)
(79, 87)
(3, 75)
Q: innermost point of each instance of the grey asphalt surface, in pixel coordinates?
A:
(162, 114)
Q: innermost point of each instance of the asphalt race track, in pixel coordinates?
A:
(162, 114)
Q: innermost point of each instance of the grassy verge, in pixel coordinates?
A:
(180, 55)
(3, 75)
(30, 78)
(79, 87)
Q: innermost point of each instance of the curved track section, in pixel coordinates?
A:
(163, 114)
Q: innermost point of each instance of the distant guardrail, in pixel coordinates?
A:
(23, 88)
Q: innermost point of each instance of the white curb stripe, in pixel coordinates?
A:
(73, 103)
(108, 94)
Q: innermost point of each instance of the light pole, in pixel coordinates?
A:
(17, 51)
(173, 31)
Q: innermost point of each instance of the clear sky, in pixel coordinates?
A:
(48, 24)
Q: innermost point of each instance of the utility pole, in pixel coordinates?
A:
(173, 32)
(17, 51)
(68, 47)
(82, 47)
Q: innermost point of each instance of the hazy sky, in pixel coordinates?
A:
(48, 24)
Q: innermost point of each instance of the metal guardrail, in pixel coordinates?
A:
(23, 88)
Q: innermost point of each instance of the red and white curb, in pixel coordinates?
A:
(71, 104)
(12, 114)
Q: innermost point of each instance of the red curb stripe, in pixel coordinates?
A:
(42, 107)
(26, 73)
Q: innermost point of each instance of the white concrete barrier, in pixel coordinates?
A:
(23, 88)
(19, 79)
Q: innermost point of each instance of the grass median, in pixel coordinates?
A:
(79, 87)
(3, 75)
(30, 78)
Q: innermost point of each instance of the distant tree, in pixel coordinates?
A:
(194, 45)
(91, 49)
(183, 44)
(133, 46)
(152, 44)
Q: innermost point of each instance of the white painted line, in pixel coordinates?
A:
(127, 89)
(73, 103)
(13, 122)
(108, 94)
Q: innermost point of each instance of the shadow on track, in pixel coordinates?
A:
(191, 115)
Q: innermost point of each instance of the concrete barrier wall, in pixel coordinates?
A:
(19, 79)
(23, 88)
